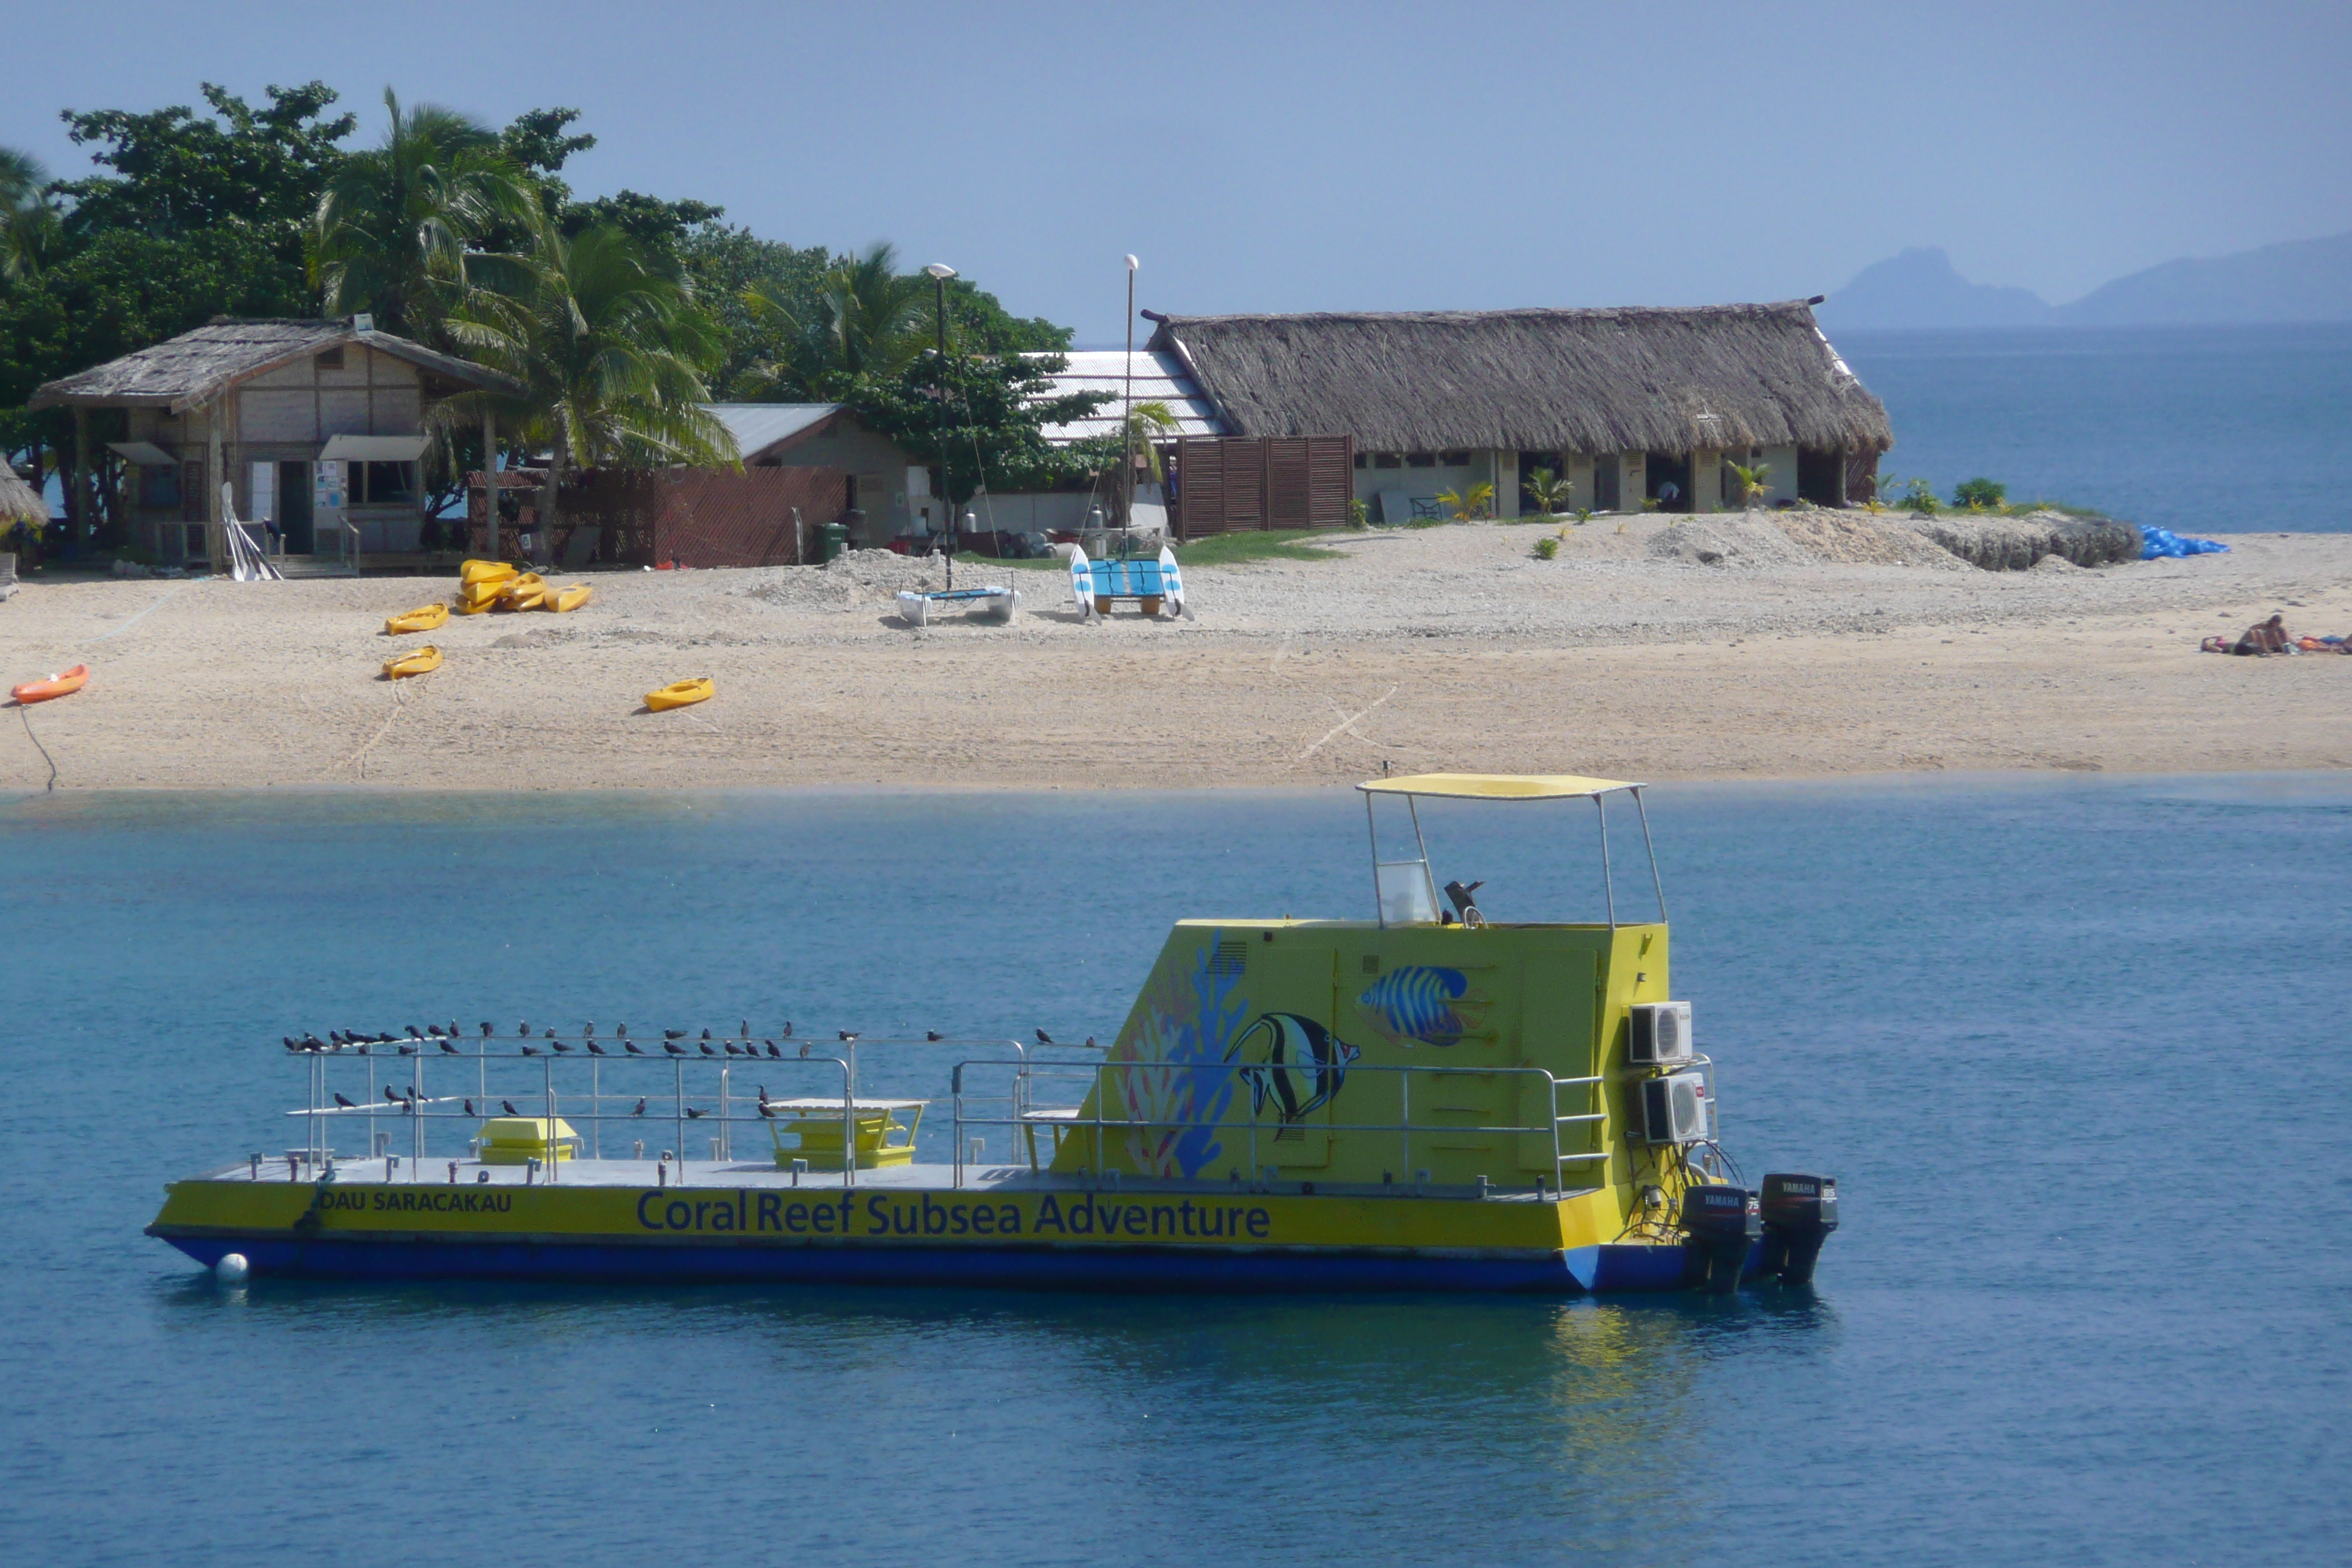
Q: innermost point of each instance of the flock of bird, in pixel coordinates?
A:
(448, 1041)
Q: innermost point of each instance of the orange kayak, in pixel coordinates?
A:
(65, 685)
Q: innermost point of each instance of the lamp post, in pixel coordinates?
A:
(941, 272)
(1127, 424)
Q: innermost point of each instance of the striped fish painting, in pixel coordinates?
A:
(1417, 1003)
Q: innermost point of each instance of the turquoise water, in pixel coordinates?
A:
(2199, 429)
(2075, 1048)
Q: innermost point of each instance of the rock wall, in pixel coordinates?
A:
(2015, 544)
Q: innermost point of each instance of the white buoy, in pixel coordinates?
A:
(232, 1268)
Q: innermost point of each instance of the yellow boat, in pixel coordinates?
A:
(681, 694)
(423, 618)
(474, 571)
(469, 604)
(527, 591)
(564, 601)
(423, 661)
(1429, 1098)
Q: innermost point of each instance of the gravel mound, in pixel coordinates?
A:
(853, 577)
(2015, 544)
(1759, 539)
(1751, 540)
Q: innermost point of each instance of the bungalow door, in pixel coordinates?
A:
(294, 514)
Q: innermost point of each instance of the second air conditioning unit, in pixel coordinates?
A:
(1674, 1109)
(1661, 1034)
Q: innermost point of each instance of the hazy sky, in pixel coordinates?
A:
(1284, 157)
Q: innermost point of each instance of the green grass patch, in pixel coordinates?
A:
(1273, 544)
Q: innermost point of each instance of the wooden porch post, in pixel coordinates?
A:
(77, 495)
(215, 539)
(489, 482)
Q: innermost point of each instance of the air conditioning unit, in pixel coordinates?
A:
(1661, 1034)
(1674, 1110)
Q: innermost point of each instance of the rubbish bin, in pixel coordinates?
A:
(836, 539)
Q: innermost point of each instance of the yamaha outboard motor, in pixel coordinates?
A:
(1800, 1212)
(1722, 1223)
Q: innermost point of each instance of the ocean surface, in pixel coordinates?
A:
(2198, 430)
(2076, 1048)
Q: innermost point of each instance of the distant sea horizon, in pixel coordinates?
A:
(2216, 430)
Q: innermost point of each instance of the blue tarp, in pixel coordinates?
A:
(2156, 542)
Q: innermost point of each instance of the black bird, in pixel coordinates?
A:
(694, 1115)
(415, 1033)
(563, 1049)
(487, 1030)
(933, 1035)
(746, 1031)
(447, 1050)
(705, 1031)
(314, 1042)
(392, 1094)
(1090, 1042)
(774, 1052)
(508, 1106)
(846, 1034)
(385, 1039)
(623, 1031)
(470, 1107)
(640, 1110)
(673, 1047)
(731, 1050)
(1044, 1038)
(676, 1034)
(788, 1028)
(707, 1050)
(408, 1050)
(452, 1030)
(766, 1111)
(522, 1027)
(631, 1050)
(530, 1050)
(364, 1050)
(346, 1104)
(292, 1042)
(595, 1049)
(334, 1036)
(549, 1032)
(434, 1030)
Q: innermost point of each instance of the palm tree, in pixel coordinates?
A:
(1551, 493)
(393, 224)
(609, 347)
(1469, 502)
(1753, 481)
(865, 325)
(28, 224)
(1147, 424)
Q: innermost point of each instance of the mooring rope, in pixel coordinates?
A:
(26, 715)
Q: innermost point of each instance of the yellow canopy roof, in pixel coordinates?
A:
(1496, 786)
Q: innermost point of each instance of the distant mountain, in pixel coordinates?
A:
(2303, 280)
(1919, 289)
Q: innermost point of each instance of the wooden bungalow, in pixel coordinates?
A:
(318, 427)
(1628, 405)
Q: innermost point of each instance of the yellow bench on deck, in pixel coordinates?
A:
(816, 1125)
(520, 1139)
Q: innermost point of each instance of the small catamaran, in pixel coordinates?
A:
(1427, 1100)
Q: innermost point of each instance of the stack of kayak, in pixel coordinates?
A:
(484, 586)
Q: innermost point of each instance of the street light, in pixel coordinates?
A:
(941, 272)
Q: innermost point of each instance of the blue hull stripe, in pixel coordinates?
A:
(1139, 1269)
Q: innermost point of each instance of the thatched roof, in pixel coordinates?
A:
(20, 502)
(196, 368)
(1568, 381)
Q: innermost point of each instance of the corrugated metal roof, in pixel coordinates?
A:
(1159, 377)
(756, 427)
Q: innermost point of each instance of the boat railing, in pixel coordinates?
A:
(1201, 1097)
(717, 1082)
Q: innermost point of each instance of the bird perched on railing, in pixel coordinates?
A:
(673, 1034)
(694, 1115)
(1044, 1038)
(435, 1031)
(673, 1047)
(933, 1035)
(788, 1028)
(560, 1048)
(622, 1032)
(508, 1106)
(313, 1042)
(631, 1050)
(447, 1050)
(470, 1107)
(292, 1042)
(707, 1050)
(775, 1051)
(530, 1050)
(595, 1049)
(705, 1031)
(488, 1031)
(411, 1051)
(732, 1049)
(640, 1110)
(745, 1031)
(848, 1036)
(413, 1032)
(346, 1104)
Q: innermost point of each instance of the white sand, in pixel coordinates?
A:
(1444, 648)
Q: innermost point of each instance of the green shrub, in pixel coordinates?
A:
(1547, 547)
(1980, 494)
(1920, 496)
(1583, 515)
(1359, 516)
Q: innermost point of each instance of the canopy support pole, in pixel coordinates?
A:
(1608, 887)
(1656, 882)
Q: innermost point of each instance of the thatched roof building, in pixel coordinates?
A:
(1687, 385)
(194, 368)
(20, 502)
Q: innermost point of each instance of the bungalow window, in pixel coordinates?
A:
(1384, 459)
(382, 484)
(1454, 460)
(1359, 460)
(1420, 460)
(159, 486)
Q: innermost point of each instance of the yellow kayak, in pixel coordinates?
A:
(423, 618)
(467, 605)
(681, 694)
(474, 571)
(564, 601)
(423, 661)
(524, 592)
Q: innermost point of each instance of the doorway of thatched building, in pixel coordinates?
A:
(1663, 469)
(1607, 490)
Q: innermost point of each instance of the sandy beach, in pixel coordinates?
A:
(1447, 648)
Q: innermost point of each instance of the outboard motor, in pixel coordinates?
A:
(1722, 1223)
(1798, 1213)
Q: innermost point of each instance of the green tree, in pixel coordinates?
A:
(725, 261)
(1752, 481)
(607, 342)
(395, 224)
(992, 434)
(1551, 493)
(28, 222)
(1469, 503)
(863, 326)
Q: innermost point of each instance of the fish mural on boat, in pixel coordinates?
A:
(1420, 1002)
(1303, 1067)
